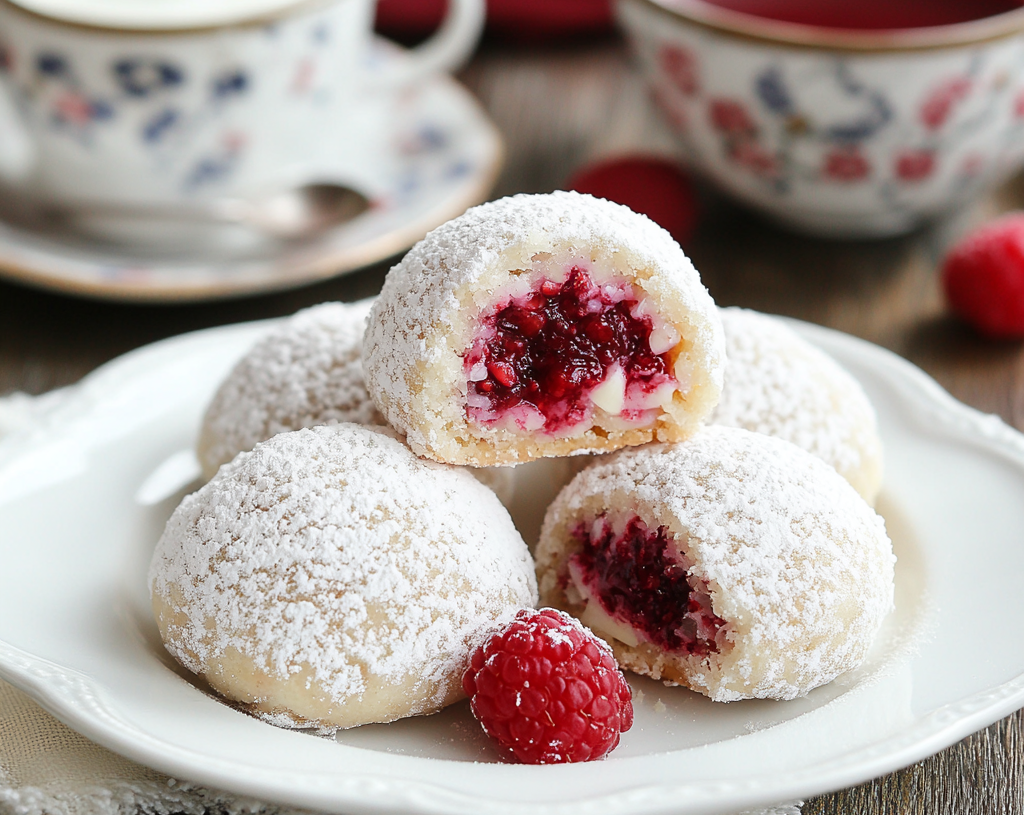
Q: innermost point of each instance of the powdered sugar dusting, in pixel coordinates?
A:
(778, 384)
(423, 321)
(306, 372)
(796, 563)
(336, 556)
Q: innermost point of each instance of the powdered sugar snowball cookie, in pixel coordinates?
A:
(543, 325)
(735, 563)
(305, 372)
(779, 384)
(330, 578)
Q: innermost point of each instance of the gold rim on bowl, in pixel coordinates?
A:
(799, 35)
(285, 11)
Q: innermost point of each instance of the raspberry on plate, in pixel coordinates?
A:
(983, 276)
(549, 691)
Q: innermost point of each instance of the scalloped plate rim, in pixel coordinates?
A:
(935, 730)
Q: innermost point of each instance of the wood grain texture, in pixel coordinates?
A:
(560, 107)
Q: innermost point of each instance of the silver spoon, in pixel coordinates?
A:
(298, 213)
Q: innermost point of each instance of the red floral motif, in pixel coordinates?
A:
(233, 141)
(730, 116)
(751, 155)
(675, 114)
(70, 107)
(305, 71)
(847, 164)
(972, 165)
(940, 102)
(915, 165)
(1018, 105)
(682, 68)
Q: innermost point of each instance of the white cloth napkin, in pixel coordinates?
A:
(46, 768)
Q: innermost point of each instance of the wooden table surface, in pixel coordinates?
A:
(560, 106)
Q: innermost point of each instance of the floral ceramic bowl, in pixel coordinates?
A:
(837, 132)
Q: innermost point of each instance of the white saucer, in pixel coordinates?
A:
(437, 154)
(85, 494)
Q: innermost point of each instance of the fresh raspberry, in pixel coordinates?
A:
(655, 187)
(984, 277)
(549, 691)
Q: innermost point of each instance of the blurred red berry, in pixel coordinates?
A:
(548, 691)
(983, 276)
(655, 187)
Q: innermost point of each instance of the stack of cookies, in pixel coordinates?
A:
(719, 533)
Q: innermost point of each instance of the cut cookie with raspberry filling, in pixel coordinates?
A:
(637, 586)
(734, 563)
(541, 326)
(551, 359)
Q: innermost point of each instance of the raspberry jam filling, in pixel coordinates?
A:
(640, 582)
(547, 358)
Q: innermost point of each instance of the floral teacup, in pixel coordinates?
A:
(134, 104)
(833, 131)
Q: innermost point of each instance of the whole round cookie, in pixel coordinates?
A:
(305, 372)
(539, 326)
(735, 563)
(330, 578)
(779, 384)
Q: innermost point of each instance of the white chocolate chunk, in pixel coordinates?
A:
(663, 338)
(595, 617)
(610, 395)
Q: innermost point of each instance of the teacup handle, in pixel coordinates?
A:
(446, 48)
(17, 153)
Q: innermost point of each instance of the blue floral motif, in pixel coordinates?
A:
(409, 182)
(432, 138)
(231, 83)
(879, 114)
(321, 34)
(457, 170)
(217, 165)
(140, 77)
(209, 170)
(101, 110)
(50, 64)
(771, 88)
(159, 125)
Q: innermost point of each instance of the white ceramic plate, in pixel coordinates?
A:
(432, 154)
(80, 510)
